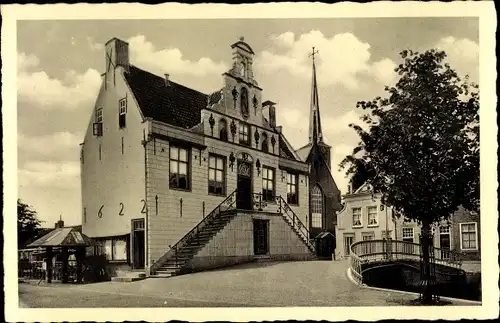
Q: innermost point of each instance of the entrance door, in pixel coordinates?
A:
(444, 241)
(138, 244)
(244, 182)
(260, 236)
(348, 241)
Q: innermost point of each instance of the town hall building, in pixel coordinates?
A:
(175, 180)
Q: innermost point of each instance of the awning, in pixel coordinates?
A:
(62, 237)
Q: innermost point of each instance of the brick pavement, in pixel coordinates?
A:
(309, 283)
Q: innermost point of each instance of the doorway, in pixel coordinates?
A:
(138, 244)
(244, 186)
(348, 241)
(444, 241)
(260, 237)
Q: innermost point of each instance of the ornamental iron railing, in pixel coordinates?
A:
(370, 251)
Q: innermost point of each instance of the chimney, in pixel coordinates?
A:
(269, 111)
(117, 53)
(167, 76)
(60, 223)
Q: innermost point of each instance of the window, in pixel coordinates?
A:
(179, 168)
(368, 248)
(408, 234)
(468, 236)
(292, 190)
(98, 115)
(111, 248)
(387, 234)
(265, 146)
(372, 216)
(97, 130)
(216, 175)
(316, 207)
(268, 184)
(223, 129)
(122, 111)
(356, 217)
(244, 134)
(119, 247)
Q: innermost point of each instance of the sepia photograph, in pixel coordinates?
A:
(199, 160)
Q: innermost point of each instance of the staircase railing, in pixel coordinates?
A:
(297, 224)
(226, 204)
(368, 251)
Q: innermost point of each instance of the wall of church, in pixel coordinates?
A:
(321, 175)
(234, 244)
(112, 165)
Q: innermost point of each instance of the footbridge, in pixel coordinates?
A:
(369, 255)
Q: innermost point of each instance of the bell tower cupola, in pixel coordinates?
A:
(243, 61)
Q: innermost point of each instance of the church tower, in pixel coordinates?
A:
(315, 132)
(324, 196)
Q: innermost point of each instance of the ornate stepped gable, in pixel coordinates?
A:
(176, 104)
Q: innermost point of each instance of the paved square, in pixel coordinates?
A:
(272, 284)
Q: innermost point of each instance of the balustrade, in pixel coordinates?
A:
(364, 252)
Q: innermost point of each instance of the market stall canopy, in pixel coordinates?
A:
(62, 237)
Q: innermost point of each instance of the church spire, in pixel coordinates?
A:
(315, 132)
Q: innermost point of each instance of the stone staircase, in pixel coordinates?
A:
(176, 263)
(176, 259)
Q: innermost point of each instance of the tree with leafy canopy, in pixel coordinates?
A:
(420, 148)
(28, 225)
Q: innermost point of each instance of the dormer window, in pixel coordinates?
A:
(97, 130)
(223, 129)
(122, 112)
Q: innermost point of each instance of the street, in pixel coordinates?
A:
(313, 283)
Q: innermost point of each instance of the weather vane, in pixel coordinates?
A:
(314, 52)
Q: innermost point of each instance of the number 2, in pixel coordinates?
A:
(121, 209)
(143, 206)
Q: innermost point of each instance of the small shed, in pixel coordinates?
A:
(325, 245)
(63, 241)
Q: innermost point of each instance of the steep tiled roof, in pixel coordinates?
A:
(174, 104)
(284, 151)
(214, 97)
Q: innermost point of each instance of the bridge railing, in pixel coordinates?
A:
(364, 252)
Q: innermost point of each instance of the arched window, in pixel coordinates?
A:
(316, 207)
(265, 146)
(223, 129)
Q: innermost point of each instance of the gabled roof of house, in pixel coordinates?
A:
(174, 104)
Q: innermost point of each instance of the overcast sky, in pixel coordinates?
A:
(59, 63)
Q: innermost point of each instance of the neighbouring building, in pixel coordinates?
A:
(176, 180)
(365, 218)
(459, 233)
